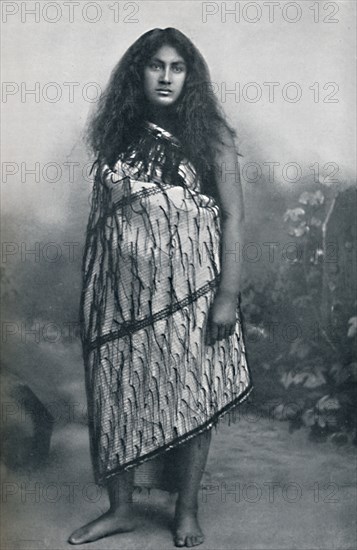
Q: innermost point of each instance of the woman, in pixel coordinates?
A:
(162, 339)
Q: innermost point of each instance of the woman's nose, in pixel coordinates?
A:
(165, 75)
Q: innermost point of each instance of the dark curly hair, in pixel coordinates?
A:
(196, 118)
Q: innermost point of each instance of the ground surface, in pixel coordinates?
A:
(312, 504)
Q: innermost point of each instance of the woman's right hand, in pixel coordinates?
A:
(221, 318)
(111, 177)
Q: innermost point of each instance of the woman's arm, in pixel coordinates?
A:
(223, 312)
(232, 212)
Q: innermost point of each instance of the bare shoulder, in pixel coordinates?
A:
(226, 150)
(228, 176)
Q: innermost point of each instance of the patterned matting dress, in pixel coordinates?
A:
(150, 272)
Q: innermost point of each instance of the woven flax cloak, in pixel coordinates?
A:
(150, 272)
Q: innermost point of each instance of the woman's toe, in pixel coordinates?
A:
(76, 537)
(74, 540)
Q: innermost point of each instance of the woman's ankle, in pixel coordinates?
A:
(121, 508)
(186, 508)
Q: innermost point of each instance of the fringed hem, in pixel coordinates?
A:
(101, 479)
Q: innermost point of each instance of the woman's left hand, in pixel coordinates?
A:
(221, 318)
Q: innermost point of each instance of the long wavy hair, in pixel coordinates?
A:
(196, 117)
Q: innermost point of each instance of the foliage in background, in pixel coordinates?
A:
(302, 323)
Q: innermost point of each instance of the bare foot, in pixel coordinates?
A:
(187, 530)
(119, 521)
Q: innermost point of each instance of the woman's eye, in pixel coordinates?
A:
(178, 69)
(154, 66)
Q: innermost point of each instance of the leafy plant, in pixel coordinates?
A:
(316, 369)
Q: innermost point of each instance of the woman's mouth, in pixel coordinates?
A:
(163, 91)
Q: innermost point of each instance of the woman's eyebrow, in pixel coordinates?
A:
(158, 60)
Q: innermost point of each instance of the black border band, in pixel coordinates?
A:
(130, 327)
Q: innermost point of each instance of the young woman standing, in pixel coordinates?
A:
(162, 338)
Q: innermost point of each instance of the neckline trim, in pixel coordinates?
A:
(161, 132)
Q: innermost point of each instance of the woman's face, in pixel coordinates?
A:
(164, 77)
